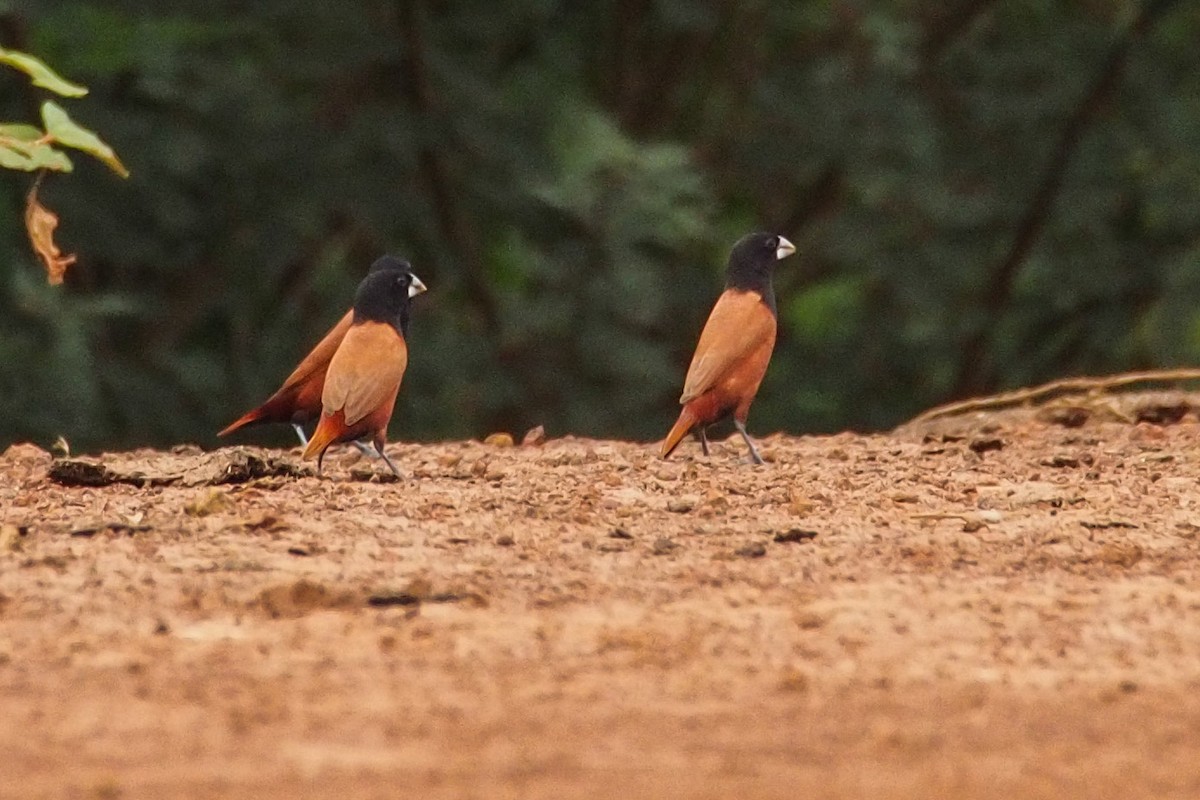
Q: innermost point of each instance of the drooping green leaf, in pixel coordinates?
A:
(11, 158)
(40, 156)
(20, 131)
(26, 147)
(41, 74)
(67, 132)
(47, 157)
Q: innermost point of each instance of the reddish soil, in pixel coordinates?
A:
(993, 606)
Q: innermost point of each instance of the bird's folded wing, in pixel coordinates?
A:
(365, 371)
(320, 355)
(739, 323)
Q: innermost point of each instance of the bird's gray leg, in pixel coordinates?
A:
(388, 461)
(702, 435)
(754, 454)
(362, 447)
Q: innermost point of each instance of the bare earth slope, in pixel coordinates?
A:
(991, 607)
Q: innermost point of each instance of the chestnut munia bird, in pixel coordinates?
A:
(365, 371)
(735, 345)
(298, 400)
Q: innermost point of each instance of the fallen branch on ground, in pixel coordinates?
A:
(1061, 386)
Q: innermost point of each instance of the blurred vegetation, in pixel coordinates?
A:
(983, 195)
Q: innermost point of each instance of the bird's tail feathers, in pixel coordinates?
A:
(328, 430)
(687, 420)
(248, 418)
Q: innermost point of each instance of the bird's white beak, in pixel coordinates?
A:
(416, 287)
(785, 249)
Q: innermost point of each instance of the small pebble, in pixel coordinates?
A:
(662, 546)
(681, 505)
(752, 550)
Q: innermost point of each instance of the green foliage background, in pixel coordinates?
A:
(984, 194)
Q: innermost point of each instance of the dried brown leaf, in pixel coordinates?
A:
(534, 437)
(40, 222)
(499, 440)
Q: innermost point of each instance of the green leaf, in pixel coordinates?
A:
(14, 159)
(24, 148)
(20, 131)
(46, 157)
(42, 75)
(41, 156)
(66, 132)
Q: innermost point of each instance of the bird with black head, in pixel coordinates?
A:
(365, 371)
(735, 345)
(298, 400)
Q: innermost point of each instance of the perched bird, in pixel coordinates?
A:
(298, 400)
(364, 374)
(735, 345)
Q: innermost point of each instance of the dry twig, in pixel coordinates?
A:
(1058, 387)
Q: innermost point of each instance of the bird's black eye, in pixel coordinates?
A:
(773, 243)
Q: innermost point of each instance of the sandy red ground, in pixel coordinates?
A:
(997, 606)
